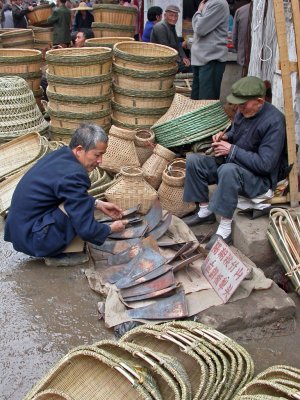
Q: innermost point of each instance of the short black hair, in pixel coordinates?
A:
(153, 12)
(88, 33)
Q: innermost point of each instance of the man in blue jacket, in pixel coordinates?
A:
(51, 207)
(253, 158)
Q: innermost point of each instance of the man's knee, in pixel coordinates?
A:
(228, 170)
(194, 160)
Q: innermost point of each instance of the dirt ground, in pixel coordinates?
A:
(46, 311)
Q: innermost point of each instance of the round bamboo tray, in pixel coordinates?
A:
(106, 41)
(143, 99)
(144, 143)
(17, 38)
(84, 87)
(144, 56)
(131, 189)
(106, 30)
(40, 14)
(136, 116)
(114, 14)
(144, 80)
(84, 62)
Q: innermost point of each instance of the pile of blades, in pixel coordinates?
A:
(172, 361)
(284, 236)
(139, 271)
(278, 381)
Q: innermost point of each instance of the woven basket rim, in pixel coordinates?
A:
(131, 171)
(16, 32)
(20, 53)
(108, 39)
(77, 56)
(115, 7)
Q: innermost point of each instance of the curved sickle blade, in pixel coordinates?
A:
(162, 228)
(154, 216)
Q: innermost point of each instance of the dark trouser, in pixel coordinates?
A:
(207, 80)
(232, 181)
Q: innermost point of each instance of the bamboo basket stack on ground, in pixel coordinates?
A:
(17, 38)
(106, 41)
(79, 89)
(143, 83)
(113, 20)
(172, 361)
(43, 37)
(25, 63)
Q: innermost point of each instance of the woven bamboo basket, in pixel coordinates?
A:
(84, 62)
(136, 117)
(19, 152)
(131, 189)
(177, 163)
(143, 56)
(159, 341)
(101, 30)
(114, 14)
(269, 388)
(143, 99)
(18, 38)
(52, 395)
(64, 134)
(144, 143)
(120, 151)
(70, 120)
(88, 88)
(24, 63)
(170, 194)
(106, 41)
(153, 168)
(89, 375)
(43, 37)
(39, 14)
(127, 78)
(59, 103)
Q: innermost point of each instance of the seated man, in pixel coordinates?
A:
(253, 156)
(164, 32)
(82, 36)
(51, 206)
(154, 15)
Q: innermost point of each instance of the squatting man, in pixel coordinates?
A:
(51, 213)
(253, 159)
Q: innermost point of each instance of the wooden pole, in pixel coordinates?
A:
(296, 20)
(288, 98)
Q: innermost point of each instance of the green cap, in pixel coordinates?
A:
(246, 89)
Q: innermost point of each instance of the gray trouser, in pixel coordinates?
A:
(231, 179)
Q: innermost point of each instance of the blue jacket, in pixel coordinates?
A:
(35, 225)
(259, 143)
(147, 31)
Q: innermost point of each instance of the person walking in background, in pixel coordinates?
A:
(83, 17)
(209, 49)
(164, 32)
(60, 20)
(127, 3)
(19, 14)
(6, 16)
(154, 15)
(239, 35)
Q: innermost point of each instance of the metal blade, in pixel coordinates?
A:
(147, 277)
(182, 250)
(168, 308)
(114, 273)
(115, 246)
(131, 232)
(128, 254)
(159, 283)
(158, 293)
(183, 263)
(125, 213)
(154, 215)
(162, 228)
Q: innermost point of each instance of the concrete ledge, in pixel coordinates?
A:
(261, 309)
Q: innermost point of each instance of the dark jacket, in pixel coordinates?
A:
(19, 18)
(259, 143)
(83, 23)
(60, 20)
(35, 225)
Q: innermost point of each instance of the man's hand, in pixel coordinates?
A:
(109, 209)
(30, 8)
(118, 226)
(221, 148)
(219, 136)
(186, 61)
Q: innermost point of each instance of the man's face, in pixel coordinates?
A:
(251, 107)
(80, 39)
(90, 159)
(18, 2)
(171, 17)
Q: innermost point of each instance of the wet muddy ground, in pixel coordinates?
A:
(47, 311)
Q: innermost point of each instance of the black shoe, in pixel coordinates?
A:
(196, 220)
(215, 237)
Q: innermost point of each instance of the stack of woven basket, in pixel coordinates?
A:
(79, 89)
(17, 38)
(113, 20)
(19, 113)
(43, 37)
(106, 41)
(25, 63)
(173, 361)
(143, 83)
